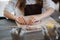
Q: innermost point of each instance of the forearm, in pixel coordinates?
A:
(9, 15)
(47, 13)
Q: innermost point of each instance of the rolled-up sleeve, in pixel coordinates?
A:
(10, 7)
(50, 4)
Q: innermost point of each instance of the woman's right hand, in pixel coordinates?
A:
(21, 20)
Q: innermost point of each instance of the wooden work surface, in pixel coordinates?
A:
(42, 23)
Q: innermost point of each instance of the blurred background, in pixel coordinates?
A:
(4, 29)
(3, 3)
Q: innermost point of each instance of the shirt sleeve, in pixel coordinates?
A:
(10, 7)
(50, 3)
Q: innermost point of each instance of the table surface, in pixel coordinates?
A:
(5, 28)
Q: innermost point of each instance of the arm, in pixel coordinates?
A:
(9, 15)
(35, 18)
(50, 8)
(8, 10)
(47, 13)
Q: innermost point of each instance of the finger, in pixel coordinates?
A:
(17, 21)
(30, 21)
(20, 20)
(24, 20)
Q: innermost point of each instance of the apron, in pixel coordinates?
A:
(32, 9)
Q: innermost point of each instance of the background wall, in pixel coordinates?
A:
(3, 3)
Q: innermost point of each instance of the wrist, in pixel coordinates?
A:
(15, 17)
(38, 18)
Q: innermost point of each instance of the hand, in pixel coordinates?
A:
(33, 19)
(21, 20)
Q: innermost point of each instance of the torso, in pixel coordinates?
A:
(32, 2)
(32, 8)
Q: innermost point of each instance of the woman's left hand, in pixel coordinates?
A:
(33, 19)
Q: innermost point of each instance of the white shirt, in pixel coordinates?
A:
(11, 6)
(29, 2)
(46, 4)
(57, 6)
